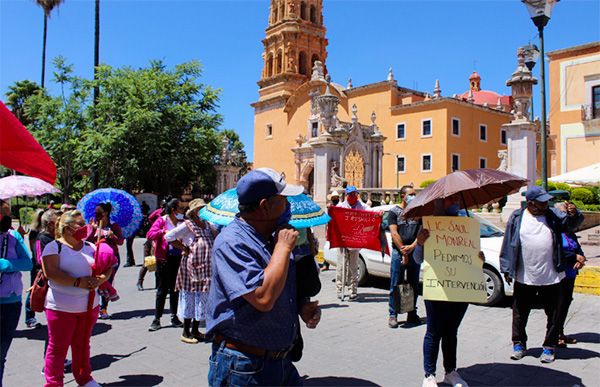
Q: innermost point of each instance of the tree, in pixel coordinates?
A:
(155, 128)
(47, 6)
(17, 96)
(58, 124)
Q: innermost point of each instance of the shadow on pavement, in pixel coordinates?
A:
(137, 380)
(586, 337)
(132, 314)
(336, 381)
(330, 306)
(517, 374)
(41, 333)
(105, 360)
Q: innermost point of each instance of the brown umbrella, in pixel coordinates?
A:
(475, 186)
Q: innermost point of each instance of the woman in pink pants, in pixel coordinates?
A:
(67, 262)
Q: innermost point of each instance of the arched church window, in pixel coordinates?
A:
(313, 14)
(302, 63)
(279, 62)
(303, 10)
(270, 66)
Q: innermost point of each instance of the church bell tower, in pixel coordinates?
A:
(295, 40)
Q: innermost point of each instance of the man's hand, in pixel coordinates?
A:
(571, 209)
(580, 262)
(287, 237)
(507, 278)
(407, 249)
(310, 313)
(422, 236)
(404, 259)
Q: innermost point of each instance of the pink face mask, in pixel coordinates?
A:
(80, 234)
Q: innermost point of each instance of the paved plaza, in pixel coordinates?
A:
(351, 346)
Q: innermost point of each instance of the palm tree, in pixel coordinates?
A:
(96, 48)
(47, 6)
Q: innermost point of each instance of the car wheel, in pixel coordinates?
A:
(363, 275)
(493, 286)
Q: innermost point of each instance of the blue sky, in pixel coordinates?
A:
(422, 40)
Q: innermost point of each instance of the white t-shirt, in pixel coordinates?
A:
(536, 266)
(76, 263)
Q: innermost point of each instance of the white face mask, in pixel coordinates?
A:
(179, 216)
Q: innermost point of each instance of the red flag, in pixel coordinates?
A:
(20, 151)
(354, 229)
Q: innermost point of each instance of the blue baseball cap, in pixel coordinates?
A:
(262, 183)
(538, 194)
(350, 189)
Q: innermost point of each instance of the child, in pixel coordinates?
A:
(105, 259)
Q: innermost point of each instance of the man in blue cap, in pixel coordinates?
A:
(349, 255)
(252, 308)
(532, 255)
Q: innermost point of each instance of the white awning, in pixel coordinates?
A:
(589, 175)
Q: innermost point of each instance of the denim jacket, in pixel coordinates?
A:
(558, 222)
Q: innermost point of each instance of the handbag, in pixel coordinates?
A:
(403, 297)
(39, 289)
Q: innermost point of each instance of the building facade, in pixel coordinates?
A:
(574, 107)
(375, 135)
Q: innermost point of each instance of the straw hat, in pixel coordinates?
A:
(196, 204)
(334, 194)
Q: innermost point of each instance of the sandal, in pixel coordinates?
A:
(567, 340)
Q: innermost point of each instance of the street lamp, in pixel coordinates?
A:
(532, 54)
(540, 11)
(397, 172)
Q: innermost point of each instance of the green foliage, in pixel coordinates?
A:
(17, 96)
(584, 195)
(551, 185)
(426, 183)
(153, 129)
(563, 187)
(586, 207)
(26, 215)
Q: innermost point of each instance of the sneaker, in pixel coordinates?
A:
(68, 363)
(103, 314)
(189, 340)
(32, 323)
(155, 325)
(547, 355)
(176, 322)
(518, 352)
(429, 381)
(91, 383)
(393, 322)
(454, 379)
(353, 297)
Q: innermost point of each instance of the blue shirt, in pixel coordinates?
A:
(239, 257)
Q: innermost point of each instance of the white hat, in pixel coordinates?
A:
(334, 193)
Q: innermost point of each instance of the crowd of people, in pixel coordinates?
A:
(252, 283)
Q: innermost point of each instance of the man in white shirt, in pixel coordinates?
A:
(532, 255)
(351, 281)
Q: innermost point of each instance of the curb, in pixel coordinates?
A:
(588, 281)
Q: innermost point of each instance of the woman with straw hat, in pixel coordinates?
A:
(195, 238)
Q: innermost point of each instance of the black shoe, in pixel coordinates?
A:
(129, 264)
(140, 286)
(155, 325)
(413, 318)
(175, 322)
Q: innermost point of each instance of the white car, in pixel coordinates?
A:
(371, 263)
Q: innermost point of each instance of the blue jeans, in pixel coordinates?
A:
(228, 367)
(397, 273)
(443, 320)
(9, 319)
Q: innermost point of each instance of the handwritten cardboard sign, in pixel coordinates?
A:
(452, 269)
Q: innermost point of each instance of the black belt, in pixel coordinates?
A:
(250, 349)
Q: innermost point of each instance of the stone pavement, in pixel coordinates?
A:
(351, 346)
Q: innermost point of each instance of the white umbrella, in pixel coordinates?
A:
(16, 185)
(589, 175)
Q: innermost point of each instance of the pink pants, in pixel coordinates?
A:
(69, 330)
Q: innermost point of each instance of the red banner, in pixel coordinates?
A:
(354, 229)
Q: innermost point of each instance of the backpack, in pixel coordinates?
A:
(39, 289)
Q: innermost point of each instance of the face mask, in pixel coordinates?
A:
(335, 201)
(286, 216)
(352, 200)
(5, 223)
(179, 216)
(410, 198)
(453, 209)
(79, 234)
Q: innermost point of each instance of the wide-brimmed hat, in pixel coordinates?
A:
(196, 204)
(334, 194)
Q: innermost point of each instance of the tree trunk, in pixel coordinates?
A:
(44, 49)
